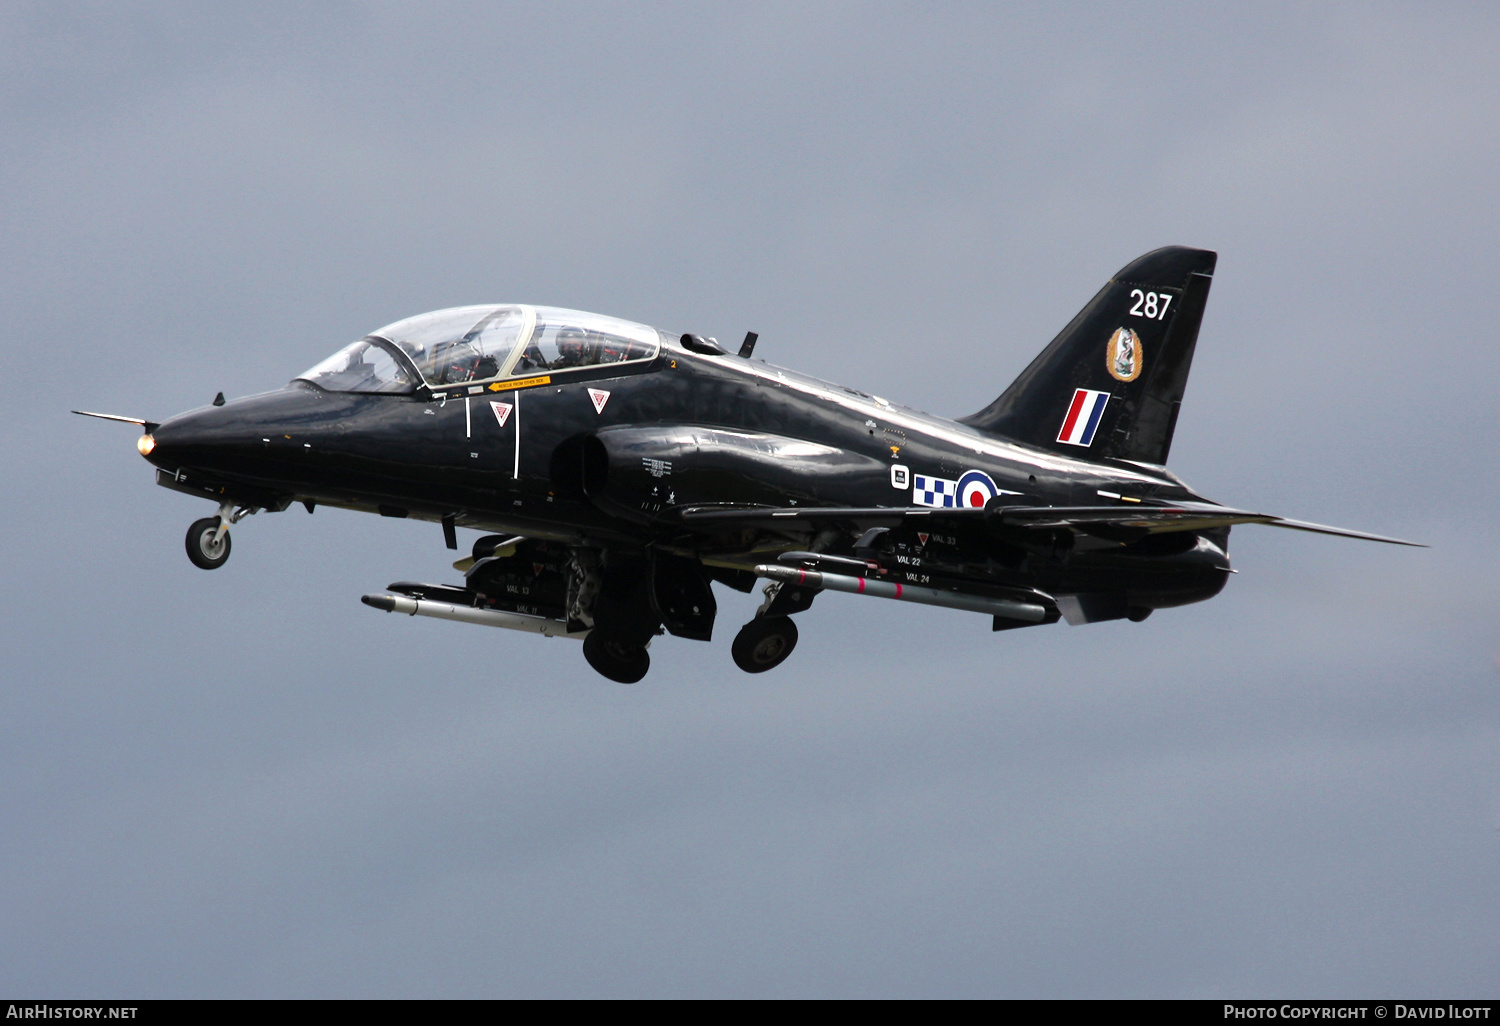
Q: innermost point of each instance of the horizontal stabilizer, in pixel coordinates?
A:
(1303, 525)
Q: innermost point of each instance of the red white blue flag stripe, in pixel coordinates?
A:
(1082, 421)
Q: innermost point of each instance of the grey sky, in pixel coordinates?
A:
(245, 783)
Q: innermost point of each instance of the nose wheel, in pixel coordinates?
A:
(208, 539)
(764, 643)
(208, 543)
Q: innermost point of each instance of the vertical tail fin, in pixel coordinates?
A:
(1110, 384)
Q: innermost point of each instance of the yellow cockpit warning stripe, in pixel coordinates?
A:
(507, 386)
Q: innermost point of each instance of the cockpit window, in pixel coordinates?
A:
(482, 343)
(563, 339)
(465, 343)
(363, 366)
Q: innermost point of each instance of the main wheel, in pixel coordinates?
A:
(615, 658)
(763, 643)
(205, 552)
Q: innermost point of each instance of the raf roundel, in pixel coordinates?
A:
(975, 489)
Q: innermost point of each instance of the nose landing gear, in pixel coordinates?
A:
(208, 539)
(208, 543)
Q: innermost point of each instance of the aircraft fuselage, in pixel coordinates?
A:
(499, 459)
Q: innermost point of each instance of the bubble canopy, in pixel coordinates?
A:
(471, 344)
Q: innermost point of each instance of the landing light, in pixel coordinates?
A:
(145, 444)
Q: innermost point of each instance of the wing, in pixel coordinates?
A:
(773, 516)
(1183, 516)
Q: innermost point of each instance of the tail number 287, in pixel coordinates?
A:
(1151, 305)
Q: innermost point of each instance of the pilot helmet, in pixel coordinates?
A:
(572, 344)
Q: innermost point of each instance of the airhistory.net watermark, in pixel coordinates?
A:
(45, 1010)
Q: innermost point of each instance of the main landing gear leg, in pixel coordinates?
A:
(765, 642)
(616, 655)
(623, 620)
(208, 539)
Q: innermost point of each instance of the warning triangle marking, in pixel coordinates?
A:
(502, 411)
(600, 397)
(922, 537)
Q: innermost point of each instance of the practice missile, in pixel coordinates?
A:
(468, 614)
(1009, 609)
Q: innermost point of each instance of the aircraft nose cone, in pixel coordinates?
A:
(255, 438)
(193, 439)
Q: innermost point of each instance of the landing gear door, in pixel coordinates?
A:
(681, 596)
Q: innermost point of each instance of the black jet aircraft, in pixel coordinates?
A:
(618, 471)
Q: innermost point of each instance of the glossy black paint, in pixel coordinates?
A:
(700, 465)
(729, 440)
